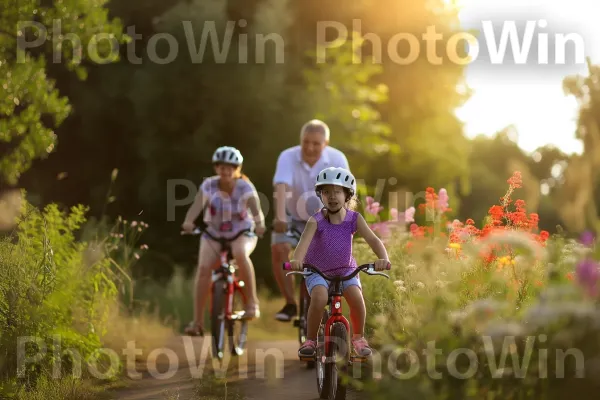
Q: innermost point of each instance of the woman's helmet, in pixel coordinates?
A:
(227, 155)
(336, 176)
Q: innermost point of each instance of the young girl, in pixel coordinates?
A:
(228, 196)
(326, 243)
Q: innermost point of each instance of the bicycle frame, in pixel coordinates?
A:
(335, 314)
(226, 271)
(225, 317)
(335, 298)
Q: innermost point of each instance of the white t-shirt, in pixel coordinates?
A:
(300, 177)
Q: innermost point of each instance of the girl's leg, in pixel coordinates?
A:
(358, 312)
(208, 259)
(358, 315)
(318, 301)
(241, 249)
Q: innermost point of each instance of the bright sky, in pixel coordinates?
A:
(530, 97)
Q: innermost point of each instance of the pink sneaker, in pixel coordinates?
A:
(361, 347)
(307, 349)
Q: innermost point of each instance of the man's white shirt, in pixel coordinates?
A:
(302, 202)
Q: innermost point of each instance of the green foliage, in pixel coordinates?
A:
(342, 93)
(527, 338)
(33, 107)
(54, 289)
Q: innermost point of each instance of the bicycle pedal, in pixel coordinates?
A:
(306, 358)
(354, 358)
(238, 315)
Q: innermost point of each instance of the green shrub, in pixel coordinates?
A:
(55, 292)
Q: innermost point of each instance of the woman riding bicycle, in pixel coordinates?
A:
(326, 243)
(228, 196)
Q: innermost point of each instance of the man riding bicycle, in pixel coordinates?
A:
(295, 199)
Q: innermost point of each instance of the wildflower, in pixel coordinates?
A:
(409, 215)
(587, 238)
(394, 214)
(382, 229)
(587, 275)
(515, 181)
(443, 198)
(569, 276)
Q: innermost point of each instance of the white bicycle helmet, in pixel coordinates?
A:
(228, 155)
(336, 176)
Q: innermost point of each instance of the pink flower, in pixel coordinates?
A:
(394, 214)
(409, 215)
(382, 228)
(369, 200)
(443, 199)
(374, 208)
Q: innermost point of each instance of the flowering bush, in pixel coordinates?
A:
(502, 311)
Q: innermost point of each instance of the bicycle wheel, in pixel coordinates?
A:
(321, 363)
(217, 318)
(237, 326)
(339, 361)
(303, 322)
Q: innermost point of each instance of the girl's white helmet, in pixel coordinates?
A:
(336, 176)
(228, 155)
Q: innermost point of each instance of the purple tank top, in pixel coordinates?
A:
(331, 247)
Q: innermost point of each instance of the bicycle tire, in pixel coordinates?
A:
(217, 318)
(339, 364)
(321, 369)
(237, 343)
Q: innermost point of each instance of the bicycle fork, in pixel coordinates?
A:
(336, 316)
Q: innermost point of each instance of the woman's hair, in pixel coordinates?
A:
(239, 174)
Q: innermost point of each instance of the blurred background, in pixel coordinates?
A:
(111, 135)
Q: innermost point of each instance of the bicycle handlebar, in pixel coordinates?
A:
(199, 231)
(309, 268)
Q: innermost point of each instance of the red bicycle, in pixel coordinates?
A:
(227, 301)
(332, 353)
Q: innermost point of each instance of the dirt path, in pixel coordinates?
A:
(268, 370)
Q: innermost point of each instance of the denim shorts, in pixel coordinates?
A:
(315, 279)
(277, 237)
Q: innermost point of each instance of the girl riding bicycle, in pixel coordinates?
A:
(326, 243)
(228, 196)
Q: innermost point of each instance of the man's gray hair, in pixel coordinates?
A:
(315, 125)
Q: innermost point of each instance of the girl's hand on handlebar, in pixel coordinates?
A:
(296, 265)
(381, 265)
(260, 230)
(188, 227)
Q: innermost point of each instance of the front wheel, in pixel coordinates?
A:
(321, 362)
(238, 326)
(217, 318)
(339, 361)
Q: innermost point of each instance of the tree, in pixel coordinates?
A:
(575, 197)
(32, 108)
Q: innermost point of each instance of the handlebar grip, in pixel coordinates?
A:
(287, 266)
(389, 266)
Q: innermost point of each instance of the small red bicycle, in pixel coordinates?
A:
(227, 309)
(332, 340)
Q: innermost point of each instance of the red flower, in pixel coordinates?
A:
(515, 180)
